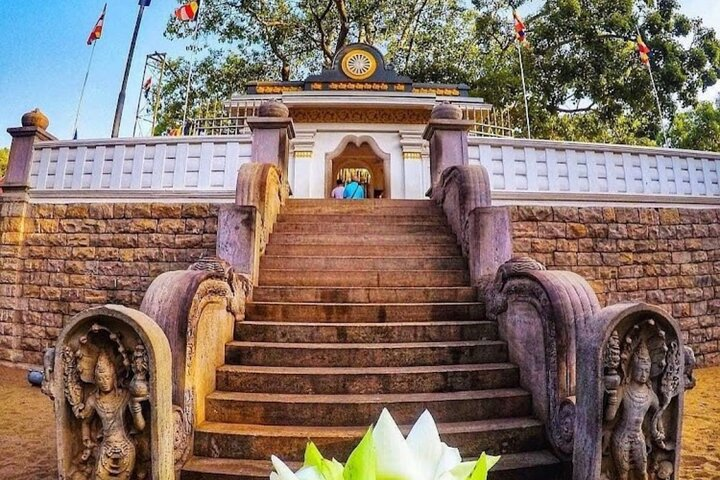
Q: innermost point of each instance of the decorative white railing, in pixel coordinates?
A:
(540, 170)
(143, 168)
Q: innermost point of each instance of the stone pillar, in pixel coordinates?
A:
(21, 150)
(272, 131)
(448, 137)
(15, 223)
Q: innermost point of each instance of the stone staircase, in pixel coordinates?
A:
(363, 305)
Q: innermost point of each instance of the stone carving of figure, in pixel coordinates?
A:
(109, 402)
(630, 403)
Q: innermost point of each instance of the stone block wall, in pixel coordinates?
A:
(664, 256)
(57, 260)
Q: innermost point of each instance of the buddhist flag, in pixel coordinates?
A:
(96, 32)
(188, 12)
(643, 51)
(520, 32)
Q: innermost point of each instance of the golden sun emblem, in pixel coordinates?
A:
(358, 64)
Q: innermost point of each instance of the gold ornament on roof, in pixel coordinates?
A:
(358, 64)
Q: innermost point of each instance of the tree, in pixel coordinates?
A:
(582, 68)
(583, 59)
(697, 129)
(4, 157)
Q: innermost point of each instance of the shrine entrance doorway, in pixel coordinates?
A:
(361, 157)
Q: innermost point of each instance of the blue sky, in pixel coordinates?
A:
(45, 57)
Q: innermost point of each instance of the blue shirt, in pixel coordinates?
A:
(354, 190)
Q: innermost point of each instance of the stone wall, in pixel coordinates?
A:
(664, 256)
(57, 260)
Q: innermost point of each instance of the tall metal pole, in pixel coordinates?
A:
(655, 91)
(522, 75)
(190, 73)
(128, 64)
(82, 90)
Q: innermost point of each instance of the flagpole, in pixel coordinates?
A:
(522, 76)
(128, 64)
(82, 90)
(190, 73)
(655, 91)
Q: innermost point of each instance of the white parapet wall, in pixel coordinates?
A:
(204, 168)
(541, 172)
(138, 169)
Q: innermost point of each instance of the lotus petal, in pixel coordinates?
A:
(424, 442)
(449, 459)
(484, 464)
(362, 461)
(313, 457)
(309, 473)
(460, 471)
(332, 470)
(283, 471)
(395, 460)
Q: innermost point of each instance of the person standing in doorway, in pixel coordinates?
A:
(338, 190)
(354, 190)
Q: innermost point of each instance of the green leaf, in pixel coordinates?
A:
(313, 457)
(361, 463)
(460, 471)
(332, 470)
(483, 466)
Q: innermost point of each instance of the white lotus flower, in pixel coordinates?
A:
(384, 454)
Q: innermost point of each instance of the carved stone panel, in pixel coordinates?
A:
(630, 389)
(642, 377)
(112, 405)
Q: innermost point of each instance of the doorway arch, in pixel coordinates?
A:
(359, 152)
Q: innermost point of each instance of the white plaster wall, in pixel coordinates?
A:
(406, 178)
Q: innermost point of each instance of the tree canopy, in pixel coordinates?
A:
(584, 78)
(4, 157)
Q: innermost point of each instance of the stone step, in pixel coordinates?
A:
(428, 250)
(364, 354)
(258, 442)
(433, 217)
(372, 227)
(393, 332)
(365, 295)
(354, 380)
(537, 465)
(362, 207)
(345, 263)
(363, 312)
(365, 278)
(362, 238)
(364, 409)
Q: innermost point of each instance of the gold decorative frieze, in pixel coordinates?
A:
(275, 89)
(358, 86)
(360, 115)
(448, 92)
(412, 156)
(316, 86)
(303, 154)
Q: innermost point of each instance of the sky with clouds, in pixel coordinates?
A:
(44, 61)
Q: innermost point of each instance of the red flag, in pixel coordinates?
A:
(96, 32)
(643, 51)
(188, 12)
(147, 84)
(520, 31)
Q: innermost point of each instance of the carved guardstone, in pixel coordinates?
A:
(109, 375)
(630, 391)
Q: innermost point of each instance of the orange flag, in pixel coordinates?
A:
(96, 32)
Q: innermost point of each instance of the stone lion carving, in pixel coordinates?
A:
(105, 386)
(642, 377)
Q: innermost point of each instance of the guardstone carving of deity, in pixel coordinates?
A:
(106, 385)
(642, 379)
